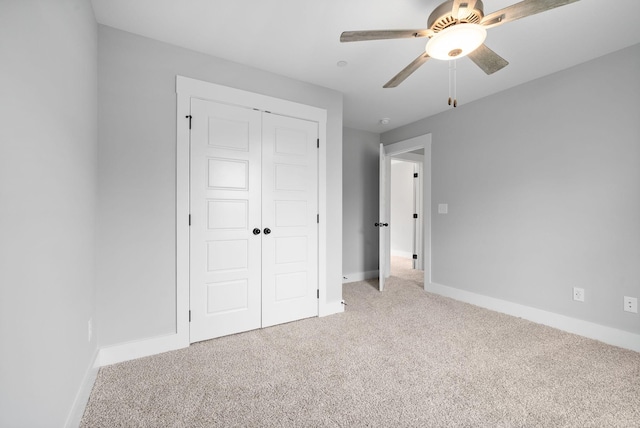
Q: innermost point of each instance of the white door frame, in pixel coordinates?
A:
(418, 236)
(406, 146)
(187, 88)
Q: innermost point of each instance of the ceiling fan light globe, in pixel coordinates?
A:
(456, 41)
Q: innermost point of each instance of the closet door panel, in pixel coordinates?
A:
(225, 199)
(289, 210)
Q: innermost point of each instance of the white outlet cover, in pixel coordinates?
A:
(631, 304)
(443, 208)
(578, 294)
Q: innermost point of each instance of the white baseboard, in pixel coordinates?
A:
(609, 335)
(404, 254)
(359, 276)
(157, 345)
(141, 348)
(82, 396)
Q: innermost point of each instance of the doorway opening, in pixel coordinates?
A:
(417, 152)
(405, 201)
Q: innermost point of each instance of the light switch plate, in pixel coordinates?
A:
(443, 208)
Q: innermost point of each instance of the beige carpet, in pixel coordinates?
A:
(402, 358)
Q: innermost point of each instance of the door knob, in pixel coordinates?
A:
(381, 224)
(256, 231)
(267, 231)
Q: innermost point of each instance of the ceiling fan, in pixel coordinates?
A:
(455, 29)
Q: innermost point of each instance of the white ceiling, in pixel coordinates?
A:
(300, 39)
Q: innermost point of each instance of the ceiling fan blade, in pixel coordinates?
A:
(358, 36)
(521, 10)
(406, 72)
(461, 8)
(488, 60)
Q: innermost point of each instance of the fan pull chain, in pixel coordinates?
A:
(453, 83)
(449, 83)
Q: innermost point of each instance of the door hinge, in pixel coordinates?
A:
(415, 216)
(415, 257)
(318, 218)
(189, 219)
(189, 315)
(318, 141)
(415, 175)
(318, 290)
(189, 117)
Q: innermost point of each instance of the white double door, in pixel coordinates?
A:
(254, 231)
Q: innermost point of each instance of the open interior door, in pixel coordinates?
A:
(384, 258)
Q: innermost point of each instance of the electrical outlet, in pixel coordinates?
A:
(578, 294)
(90, 328)
(631, 304)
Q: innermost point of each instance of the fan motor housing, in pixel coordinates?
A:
(441, 17)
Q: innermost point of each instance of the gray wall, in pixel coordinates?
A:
(48, 146)
(543, 191)
(360, 172)
(137, 144)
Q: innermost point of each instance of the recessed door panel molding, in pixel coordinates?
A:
(291, 213)
(226, 214)
(227, 255)
(228, 296)
(290, 142)
(228, 174)
(291, 177)
(290, 286)
(228, 133)
(291, 249)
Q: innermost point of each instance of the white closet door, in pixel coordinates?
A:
(225, 255)
(290, 207)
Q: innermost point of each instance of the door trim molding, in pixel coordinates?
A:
(187, 88)
(409, 145)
